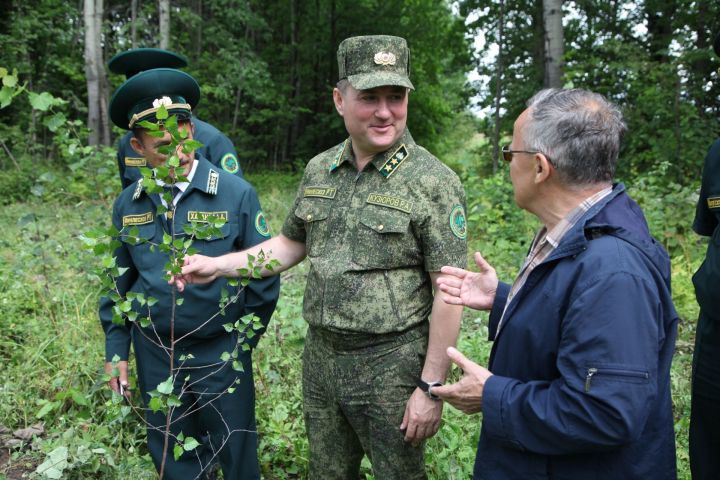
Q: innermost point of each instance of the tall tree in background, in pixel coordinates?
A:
(97, 86)
(554, 46)
(164, 20)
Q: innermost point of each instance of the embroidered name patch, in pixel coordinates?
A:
(142, 219)
(713, 202)
(202, 217)
(135, 162)
(458, 225)
(390, 202)
(229, 163)
(322, 192)
(261, 224)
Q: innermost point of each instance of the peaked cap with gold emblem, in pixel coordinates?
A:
(374, 61)
(141, 96)
(132, 62)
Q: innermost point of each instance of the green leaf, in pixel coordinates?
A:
(78, 398)
(54, 122)
(179, 301)
(9, 80)
(166, 387)
(173, 401)
(162, 113)
(6, 95)
(225, 356)
(177, 452)
(42, 101)
(155, 404)
(149, 126)
(190, 444)
(47, 408)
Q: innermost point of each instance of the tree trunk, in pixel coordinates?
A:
(498, 89)
(133, 23)
(164, 16)
(97, 84)
(552, 20)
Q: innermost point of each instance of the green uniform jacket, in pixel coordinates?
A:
(211, 191)
(372, 237)
(707, 218)
(217, 149)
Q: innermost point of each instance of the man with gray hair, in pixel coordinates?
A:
(578, 381)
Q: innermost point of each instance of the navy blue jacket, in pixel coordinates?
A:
(217, 149)
(211, 192)
(581, 363)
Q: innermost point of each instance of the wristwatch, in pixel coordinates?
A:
(427, 387)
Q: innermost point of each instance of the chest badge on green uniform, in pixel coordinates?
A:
(392, 164)
(458, 224)
(229, 163)
(322, 192)
(141, 219)
(202, 217)
(390, 202)
(261, 224)
(713, 202)
(135, 162)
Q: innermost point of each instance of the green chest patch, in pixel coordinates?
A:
(322, 192)
(713, 202)
(141, 219)
(202, 217)
(135, 162)
(390, 202)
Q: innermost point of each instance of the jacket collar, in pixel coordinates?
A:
(386, 162)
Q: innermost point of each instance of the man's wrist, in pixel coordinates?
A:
(428, 386)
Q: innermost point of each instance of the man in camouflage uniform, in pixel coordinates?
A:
(217, 148)
(377, 216)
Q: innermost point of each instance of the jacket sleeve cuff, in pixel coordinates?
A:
(496, 418)
(117, 345)
(501, 295)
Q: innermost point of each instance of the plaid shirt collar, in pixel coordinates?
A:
(545, 242)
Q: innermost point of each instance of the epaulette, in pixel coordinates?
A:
(212, 182)
(138, 189)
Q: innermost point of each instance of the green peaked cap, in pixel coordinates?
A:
(131, 62)
(140, 97)
(374, 61)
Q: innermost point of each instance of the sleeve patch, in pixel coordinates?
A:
(458, 224)
(261, 224)
(230, 163)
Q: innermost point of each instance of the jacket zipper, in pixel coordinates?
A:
(592, 371)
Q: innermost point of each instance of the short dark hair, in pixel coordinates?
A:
(579, 131)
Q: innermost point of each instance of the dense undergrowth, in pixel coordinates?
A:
(51, 347)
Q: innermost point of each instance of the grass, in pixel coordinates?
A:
(51, 350)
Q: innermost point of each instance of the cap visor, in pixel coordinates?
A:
(365, 81)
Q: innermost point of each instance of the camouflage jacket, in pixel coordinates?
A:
(372, 237)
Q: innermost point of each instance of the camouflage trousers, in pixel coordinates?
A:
(355, 388)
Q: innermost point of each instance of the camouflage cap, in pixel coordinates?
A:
(374, 61)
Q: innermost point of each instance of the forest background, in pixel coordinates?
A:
(266, 69)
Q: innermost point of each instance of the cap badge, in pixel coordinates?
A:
(162, 101)
(385, 58)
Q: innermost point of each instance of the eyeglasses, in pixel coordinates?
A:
(508, 154)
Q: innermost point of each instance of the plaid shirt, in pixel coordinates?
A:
(545, 242)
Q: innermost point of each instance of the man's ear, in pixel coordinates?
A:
(137, 145)
(338, 100)
(542, 168)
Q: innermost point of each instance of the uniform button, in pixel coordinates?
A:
(380, 227)
(309, 217)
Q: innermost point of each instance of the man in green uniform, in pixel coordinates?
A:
(704, 419)
(217, 148)
(376, 216)
(216, 391)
